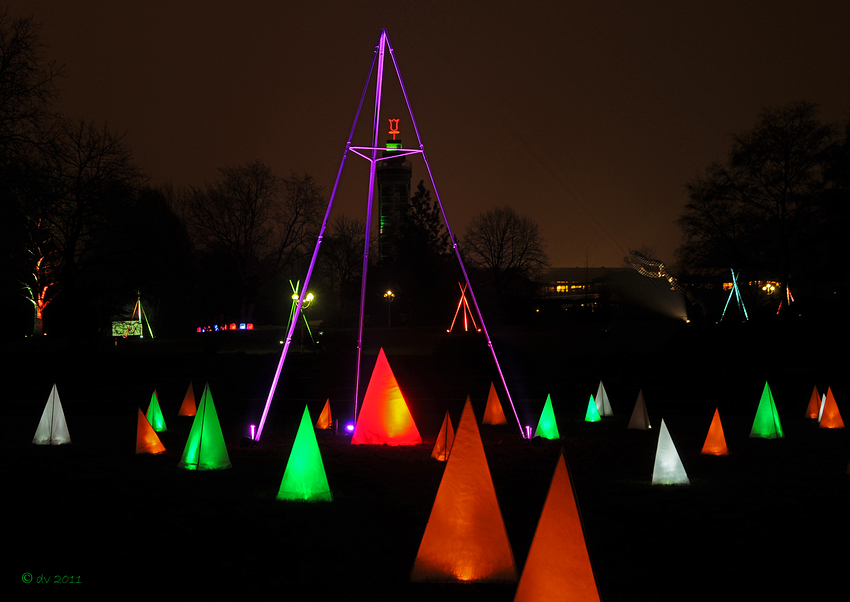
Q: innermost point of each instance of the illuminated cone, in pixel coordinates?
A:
(465, 539)
(384, 418)
(558, 565)
(147, 441)
(52, 428)
(304, 478)
(715, 442)
(325, 421)
(813, 409)
(547, 427)
(830, 417)
(154, 415)
(602, 403)
(592, 414)
(205, 449)
(493, 413)
(766, 423)
(640, 417)
(443, 445)
(187, 408)
(668, 468)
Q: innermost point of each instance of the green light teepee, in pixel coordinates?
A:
(205, 449)
(304, 478)
(592, 414)
(766, 424)
(547, 427)
(155, 416)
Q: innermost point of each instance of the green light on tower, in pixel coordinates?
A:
(155, 416)
(592, 414)
(766, 424)
(547, 427)
(304, 478)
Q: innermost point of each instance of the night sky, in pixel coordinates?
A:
(589, 118)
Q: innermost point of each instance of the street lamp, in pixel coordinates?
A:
(389, 296)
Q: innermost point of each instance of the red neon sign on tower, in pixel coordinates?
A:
(394, 127)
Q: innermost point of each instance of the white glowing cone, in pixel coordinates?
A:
(668, 467)
(602, 403)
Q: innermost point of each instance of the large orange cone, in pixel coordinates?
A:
(384, 418)
(443, 445)
(813, 408)
(325, 421)
(715, 442)
(188, 408)
(558, 565)
(147, 441)
(830, 418)
(493, 413)
(465, 539)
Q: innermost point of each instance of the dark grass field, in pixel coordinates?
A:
(771, 518)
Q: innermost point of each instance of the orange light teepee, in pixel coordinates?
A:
(187, 408)
(384, 417)
(493, 413)
(465, 539)
(325, 421)
(558, 565)
(715, 441)
(830, 417)
(443, 445)
(147, 441)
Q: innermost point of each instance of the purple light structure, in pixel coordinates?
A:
(370, 153)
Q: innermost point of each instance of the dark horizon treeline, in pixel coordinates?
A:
(84, 234)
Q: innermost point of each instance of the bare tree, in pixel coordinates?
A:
(258, 222)
(766, 208)
(67, 196)
(27, 85)
(507, 246)
(341, 258)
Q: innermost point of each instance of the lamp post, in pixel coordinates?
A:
(389, 296)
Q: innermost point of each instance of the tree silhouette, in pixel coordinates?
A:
(253, 224)
(507, 247)
(766, 208)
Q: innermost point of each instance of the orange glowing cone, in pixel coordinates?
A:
(830, 417)
(558, 565)
(493, 413)
(443, 446)
(325, 421)
(187, 408)
(814, 405)
(147, 441)
(465, 539)
(715, 442)
(384, 418)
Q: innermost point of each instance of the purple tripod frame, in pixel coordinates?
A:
(370, 153)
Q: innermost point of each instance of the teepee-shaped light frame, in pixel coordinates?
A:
(370, 153)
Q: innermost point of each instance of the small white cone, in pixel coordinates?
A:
(668, 467)
(602, 403)
(640, 417)
(52, 428)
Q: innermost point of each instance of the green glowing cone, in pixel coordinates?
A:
(592, 414)
(766, 424)
(155, 416)
(205, 449)
(547, 427)
(304, 478)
